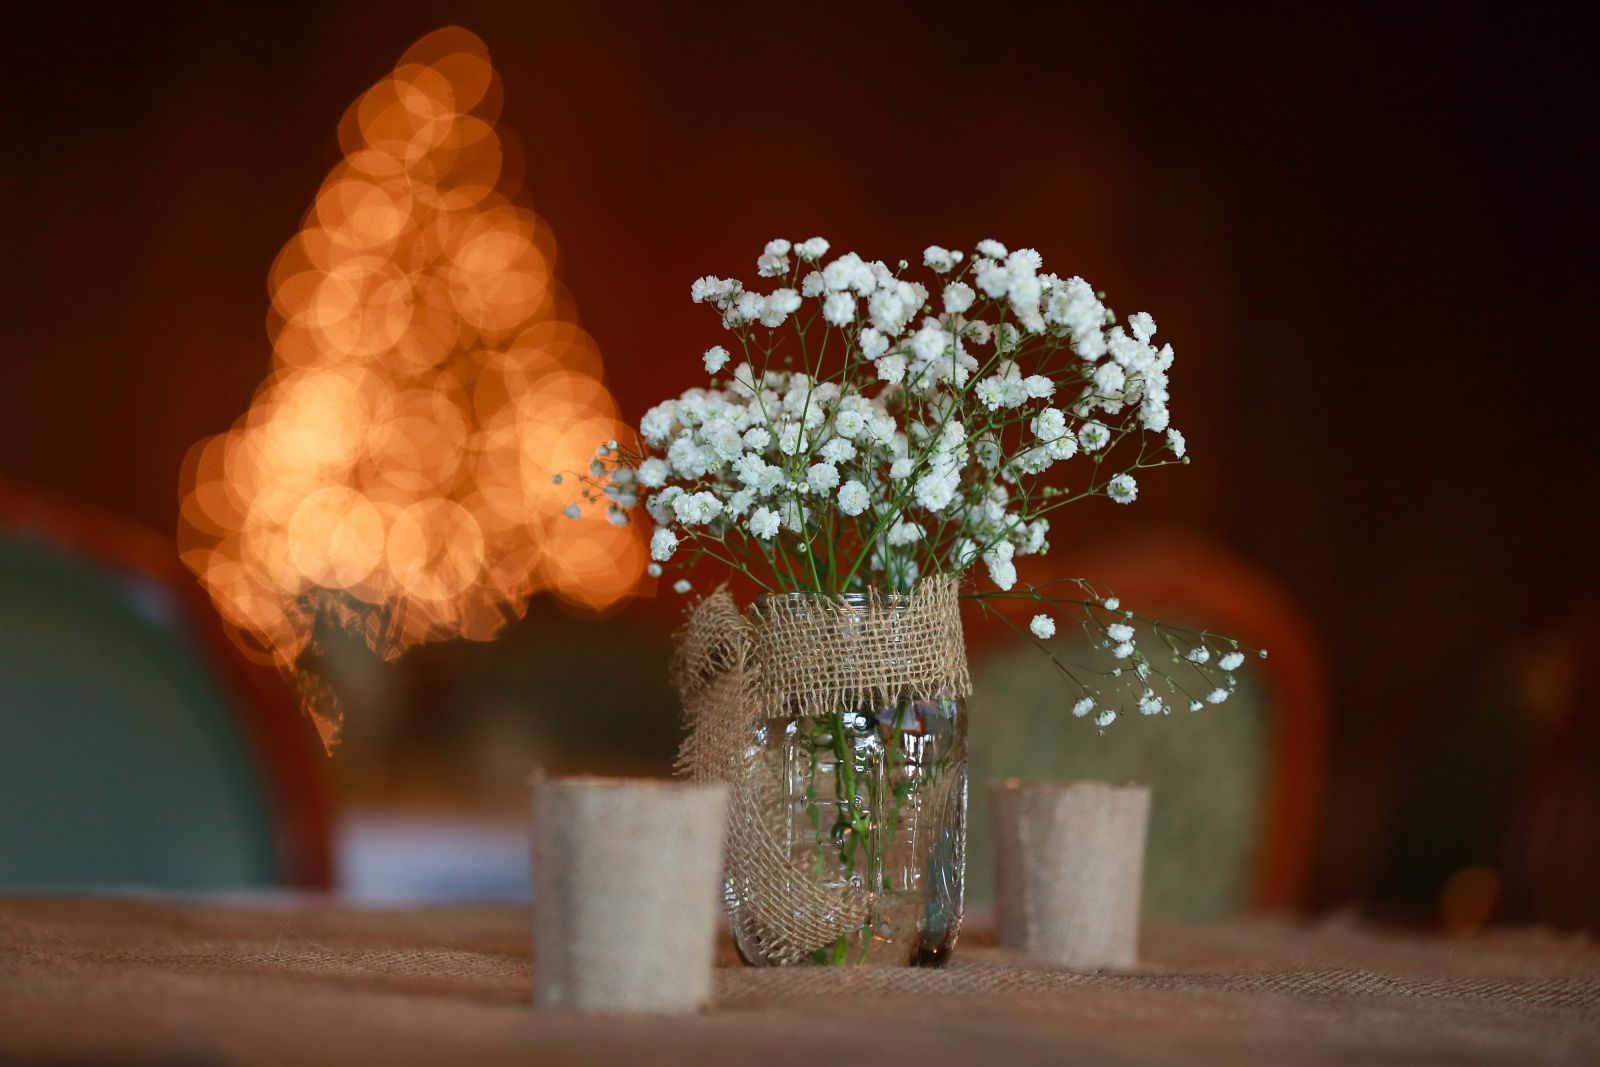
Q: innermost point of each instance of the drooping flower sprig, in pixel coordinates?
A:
(863, 428)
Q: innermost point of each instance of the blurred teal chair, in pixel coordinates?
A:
(137, 747)
(1235, 788)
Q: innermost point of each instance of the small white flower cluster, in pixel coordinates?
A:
(1201, 673)
(915, 429)
(865, 428)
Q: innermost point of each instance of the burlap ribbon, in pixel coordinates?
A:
(791, 657)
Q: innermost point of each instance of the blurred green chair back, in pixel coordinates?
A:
(128, 754)
(1233, 787)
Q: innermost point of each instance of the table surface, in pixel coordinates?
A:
(308, 981)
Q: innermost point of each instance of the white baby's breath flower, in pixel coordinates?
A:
(1176, 442)
(991, 248)
(873, 343)
(1198, 654)
(1123, 489)
(849, 424)
(1105, 718)
(663, 543)
(940, 260)
(892, 369)
(1043, 627)
(764, 523)
(1119, 631)
(696, 509)
(998, 560)
(958, 297)
(774, 261)
(681, 586)
(653, 570)
(821, 477)
(1083, 707)
(992, 278)
(904, 533)
(1038, 386)
(812, 284)
(654, 472)
(934, 491)
(1216, 696)
(853, 498)
(1232, 661)
(1123, 650)
(1049, 424)
(1093, 436)
(812, 249)
(839, 309)
(1112, 603)
(1142, 325)
(757, 438)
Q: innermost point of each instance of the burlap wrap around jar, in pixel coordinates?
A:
(838, 723)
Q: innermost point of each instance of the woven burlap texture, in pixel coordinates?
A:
(799, 656)
(625, 891)
(101, 980)
(1069, 867)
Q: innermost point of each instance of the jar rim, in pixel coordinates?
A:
(811, 596)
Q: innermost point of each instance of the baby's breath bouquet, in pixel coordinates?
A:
(867, 429)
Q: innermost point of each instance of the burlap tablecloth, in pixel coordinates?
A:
(118, 980)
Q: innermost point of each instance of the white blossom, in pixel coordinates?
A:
(1093, 436)
(1232, 661)
(1083, 707)
(1142, 325)
(940, 260)
(1198, 654)
(663, 543)
(681, 586)
(1216, 696)
(822, 476)
(991, 248)
(763, 523)
(998, 560)
(853, 498)
(1176, 442)
(1119, 631)
(1043, 627)
(812, 249)
(958, 297)
(839, 309)
(904, 533)
(1123, 489)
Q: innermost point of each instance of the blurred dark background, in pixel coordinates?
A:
(1368, 232)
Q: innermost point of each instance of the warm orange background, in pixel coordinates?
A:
(1368, 235)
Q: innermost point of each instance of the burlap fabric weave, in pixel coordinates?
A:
(1069, 870)
(103, 980)
(796, 657)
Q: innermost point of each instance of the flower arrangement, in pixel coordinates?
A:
(864, 429)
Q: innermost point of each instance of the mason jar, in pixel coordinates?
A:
(868, 806)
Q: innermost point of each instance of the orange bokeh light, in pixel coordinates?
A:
(428, 380)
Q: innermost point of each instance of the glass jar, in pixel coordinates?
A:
(870, 804)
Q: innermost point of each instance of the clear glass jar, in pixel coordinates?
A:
(871, 805)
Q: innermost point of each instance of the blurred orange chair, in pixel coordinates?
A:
(138, 746)
(1236, 788)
